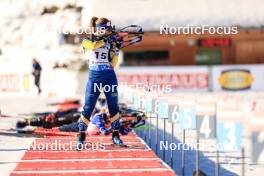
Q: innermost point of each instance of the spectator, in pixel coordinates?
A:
(36, 73)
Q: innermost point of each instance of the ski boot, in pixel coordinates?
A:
(83, 124)
(80, 140)
(116, 138)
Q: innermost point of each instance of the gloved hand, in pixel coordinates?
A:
(115, 40)
(112, 38)
(119, 44)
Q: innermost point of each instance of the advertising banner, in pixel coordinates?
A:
(238, 77)
(13, 82)
(165, 79)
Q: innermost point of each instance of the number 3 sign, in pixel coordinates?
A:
(229, 136)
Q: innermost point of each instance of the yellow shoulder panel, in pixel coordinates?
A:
(88, 44)
(114, 61)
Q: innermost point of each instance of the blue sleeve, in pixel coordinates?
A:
(101, 127)
(96, 120)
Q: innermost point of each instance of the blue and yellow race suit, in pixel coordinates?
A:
(102, 58)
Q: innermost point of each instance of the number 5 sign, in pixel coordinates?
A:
(187, 118)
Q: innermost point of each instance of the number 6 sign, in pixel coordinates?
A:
(174, 115)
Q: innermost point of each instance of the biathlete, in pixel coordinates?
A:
(100, 124)
(101, 49)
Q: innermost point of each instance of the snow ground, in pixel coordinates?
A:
(12, 148)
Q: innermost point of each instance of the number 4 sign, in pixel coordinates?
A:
(206, 126)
